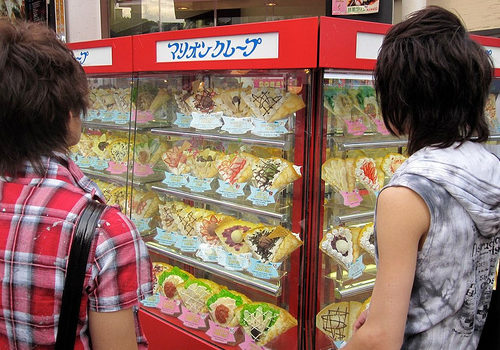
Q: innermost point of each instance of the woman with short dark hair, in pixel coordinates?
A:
(437, 222)
(43, 93)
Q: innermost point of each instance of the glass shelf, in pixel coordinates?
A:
(363, 216)
(116, 179)
(282, 144)
(122, 179)
(99, 125)
(208, 200)
(353, 143)
(273, 289)
(355, 289)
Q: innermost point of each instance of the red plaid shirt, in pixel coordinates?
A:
(37, 220)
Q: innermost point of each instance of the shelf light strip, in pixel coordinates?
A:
(119, 180)
(270, 143)
(352, 217)
(268, 288)
(356, 290)
(346, 146)
(93, 125)
(208, 200)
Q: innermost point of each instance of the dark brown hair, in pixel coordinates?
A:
(40, 84)
(432, 81)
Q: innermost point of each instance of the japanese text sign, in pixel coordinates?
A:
(233, 47)
(99, 56)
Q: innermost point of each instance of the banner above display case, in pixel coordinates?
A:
(492, 47)
(288, 44)
(351, 44)
(104, 56)
(232, 47)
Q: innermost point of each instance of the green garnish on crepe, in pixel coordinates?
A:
(175, 271)
(198, 282)
(225, 293)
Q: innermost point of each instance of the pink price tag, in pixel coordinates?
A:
(192, 319)
(351, 199)
(356, 128)
(249, 344)
(220, 334)
(117, 167)
(268, 83)
(339, 7)
(143, 170)
(381, 127)
(144, 117)
(169, 306)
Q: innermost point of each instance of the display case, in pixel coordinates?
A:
(492, 110)
(358, 157)
(104, 152)
(227, 110)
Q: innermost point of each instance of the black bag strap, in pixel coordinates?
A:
(490, 336)
(75, 275)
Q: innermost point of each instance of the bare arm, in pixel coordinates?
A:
(112, 330)
(402, 220)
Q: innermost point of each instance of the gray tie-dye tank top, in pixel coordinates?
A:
(455, 268)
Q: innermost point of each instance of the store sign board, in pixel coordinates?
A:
(494, 53)
(98, 56)
(344, 7)
(368, 45)
(233, 47)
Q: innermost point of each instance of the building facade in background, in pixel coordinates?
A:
(129, 17)
(76, 20)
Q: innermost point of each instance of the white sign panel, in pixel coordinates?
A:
(494, 53)
(368, 45)
(233, 47)
(99, 56)
(348, 76)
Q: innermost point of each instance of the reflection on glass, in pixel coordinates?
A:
(129, 17)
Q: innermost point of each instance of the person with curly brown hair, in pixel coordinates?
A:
(43, 93)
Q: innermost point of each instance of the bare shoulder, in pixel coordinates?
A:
(401, 209)
(399, 196)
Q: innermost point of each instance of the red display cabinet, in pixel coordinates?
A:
(225, 113)
(356, 157)
(249, 157)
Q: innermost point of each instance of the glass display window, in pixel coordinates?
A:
(227, 147)
(103, 152)
(359, 158)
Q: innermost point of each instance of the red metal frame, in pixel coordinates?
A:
(162, 334)
(489, 41)
(337, 42)
(121, 53)
(298, 46)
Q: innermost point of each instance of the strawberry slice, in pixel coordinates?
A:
(366, 173)
(231, 168)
